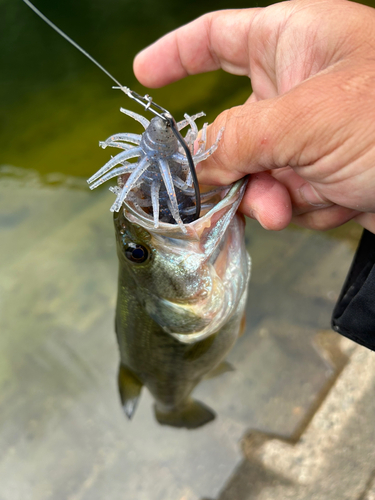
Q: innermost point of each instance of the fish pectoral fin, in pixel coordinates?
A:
(192, 415)
(242, 325)
(129, 387)
(223, 367)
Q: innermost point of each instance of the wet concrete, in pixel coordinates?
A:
(62, 431)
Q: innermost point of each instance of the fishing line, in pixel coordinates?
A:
(145, 101)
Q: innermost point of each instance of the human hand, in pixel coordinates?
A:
(307, 132)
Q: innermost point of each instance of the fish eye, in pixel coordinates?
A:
(136, 253)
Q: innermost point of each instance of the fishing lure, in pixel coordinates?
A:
(160, 181)
(163, 182)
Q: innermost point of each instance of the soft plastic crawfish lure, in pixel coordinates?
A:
(162, 182)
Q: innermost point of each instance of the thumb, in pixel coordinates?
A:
(241, 140)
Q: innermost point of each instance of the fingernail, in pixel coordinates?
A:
(254, 215)
(312, 197)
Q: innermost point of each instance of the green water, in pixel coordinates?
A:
(56, 105)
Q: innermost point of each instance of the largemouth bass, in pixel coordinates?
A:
(182, 284)
(181, 300)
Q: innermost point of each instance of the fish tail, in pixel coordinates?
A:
(192, 415)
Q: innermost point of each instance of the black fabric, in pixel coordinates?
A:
(354, 313)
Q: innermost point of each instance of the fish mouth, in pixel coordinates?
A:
(192, 231)
(178, 320)
(207, 243)
(181, 322)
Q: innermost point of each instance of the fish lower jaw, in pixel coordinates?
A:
(212, 320)
(191, 338)
(211, 326)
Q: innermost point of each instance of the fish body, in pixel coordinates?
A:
(181, 300)
(182, 284)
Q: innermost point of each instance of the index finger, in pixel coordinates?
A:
(215, 40)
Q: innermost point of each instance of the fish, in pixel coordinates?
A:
(180, 306)
(182, 281)
(183, 265)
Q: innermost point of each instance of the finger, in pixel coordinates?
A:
(366, 220)
(325, 218)
(215, 40)
(298, 129)
(268, 201)
(252, 98)
(271, 198)
(304, 197)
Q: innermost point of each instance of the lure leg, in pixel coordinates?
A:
(141, 119)
(202, 140)
(134, 138)
(129, 167)
(182, 124)
(120, 145)
(134, 176)
(120, 158)
(183, 186)
(192, 133)
(155, 188)
(168, 182)
(203, 156)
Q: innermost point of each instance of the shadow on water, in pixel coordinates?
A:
(62, 433)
